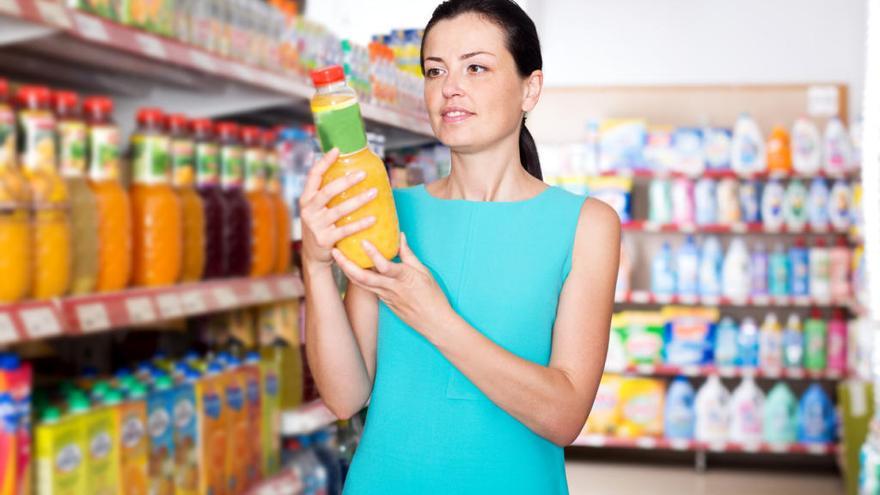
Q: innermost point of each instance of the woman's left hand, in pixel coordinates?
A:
(408, 288)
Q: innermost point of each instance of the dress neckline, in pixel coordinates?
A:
(424, 190)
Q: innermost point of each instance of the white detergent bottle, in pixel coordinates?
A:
(748, 155)
(712, 407)
(711, 259)
(817, 205)
(840, 205)
(837, 148)
(794, 207)
(806, 147)
(746, 413)
(736, 273)
(772, 205)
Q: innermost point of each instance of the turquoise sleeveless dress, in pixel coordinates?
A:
(429, 430)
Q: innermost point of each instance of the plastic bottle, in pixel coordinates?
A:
(806, 147)
(711, 259)
(748, 343)
(737, 271)
(679, 413)
(840, 259)
(83, 207)
(322, 450)
(837, 338)
(793, 342)
(820, 271)
(705, 202)
(760, 270)
(772, 206)
(815, 341)
(663, 277)
(779, 272)
(113, 204)
(712, 407)
(747, 151)
(779, 152)
(799, 258)
(815, 416)
(157, 216)
(727, 343)
(264, 240)
(729, 208)
(280, 207)
(15, 225)
(817, 205)
(746, 413)
(337, 117)
(840, 206)
(213, 201)
(49, 196)
(837, 148)
(780, 415)
(237, 220)
(794, 208)
(183, 170)
(683, 201)
(687, 268)
(750, 205)
(660, 198)
(770, 346)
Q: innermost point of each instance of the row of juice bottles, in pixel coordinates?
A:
(205, 199)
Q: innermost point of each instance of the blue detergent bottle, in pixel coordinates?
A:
(662, 272)
(748, 344)
(688, 264)
(711, 259)
(726, 343)
(779, 272)
(678, 414)
(799, 259)
(815, 416)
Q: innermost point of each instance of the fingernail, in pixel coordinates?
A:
(372, 193)
(371, 219)
(361, 174)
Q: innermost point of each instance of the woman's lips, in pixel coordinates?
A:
(455, 115)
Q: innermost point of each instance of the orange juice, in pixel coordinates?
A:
(238, 445)
(50, 201)
(134, 443)
(15, 225)
(263, 235)
(157, 215)
(212, 432)
(338, 121)
(183, 171)
(113, 206)
(102, 472)
(280, 208)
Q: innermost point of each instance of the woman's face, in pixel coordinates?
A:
(474, 94)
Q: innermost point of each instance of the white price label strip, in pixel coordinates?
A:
(151, 45)
(679, 444)
(243, 72)
(816, 449)
(40, 323)
(53, 13)
(7, 329)
(193, 302)
(92, 28)
(287, 288)
(646, 443)
(778, 448)
(140, 310)
(92, 317)
(260, 292)
(202, 61)
(640, 297)
(169, 305)
(226, 298)
(10, 7)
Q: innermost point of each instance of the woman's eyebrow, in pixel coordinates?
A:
(463, 57)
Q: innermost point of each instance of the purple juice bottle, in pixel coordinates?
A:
(208, 186)
(237, 214)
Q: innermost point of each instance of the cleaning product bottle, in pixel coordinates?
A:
(778, 276)
(815, 341)
(660, 199)
(760, 270)
(815, 416)
(750, 205)
(794, 208)
(817, 205)
(338, 120)
(213, 201)
(83, 206)
(682, 201)
(281, 209)
(820, 271)
(729, 211)
(799, 257)
(712, 408)
(687, 268)
(748, 344)
(716, 148)
(113, 205)
(793, 342)
(737, 271)
(779, 152)
(837, 148)
(746, 413)
(706, 202)
(806, 147)
(772, 206)
(727, 343)
(840, 206)
(747, 151)
(780, 415)
(679, 411)
(837, 338)
(183, 172)
(711, 259)
(263, 234)
(663, 277)
(770, 346)
(840, 259)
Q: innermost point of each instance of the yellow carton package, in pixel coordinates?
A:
(102, 472)
(605, 414)
(251, 372)
(61, 444)
(238, 446)
(212, 420)
(160, 409)
(134, 447)
(641, 407)
(186, 438)
(270, 426)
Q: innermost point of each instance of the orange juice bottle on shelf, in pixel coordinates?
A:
(157, 216)
(280, 208)
(339, 124)
(213, 202)
(49, 199)
(113, 205)
(237, 210)
(184, 176)
(263, 235)
(72, 136)
(15, 224)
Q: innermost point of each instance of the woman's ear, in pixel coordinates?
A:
(532, 90)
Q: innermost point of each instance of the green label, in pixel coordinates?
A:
(104, 156)
(183, 160)
(37, 140)
(150, 159)
(7, 136)
(231, 162)
(72, 144)
(341, 127)
(254, 168)
(206, 163)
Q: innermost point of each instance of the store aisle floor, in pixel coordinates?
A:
(603, 478)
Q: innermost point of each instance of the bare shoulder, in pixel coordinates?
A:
(597, 219)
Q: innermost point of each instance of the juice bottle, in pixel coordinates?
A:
(213, 201)
(184, 173)
(237, 213)
(102, 474)
(156, 212)
(338, 120)
(83, 206)
(281, 211)
(50, 201)
(113, 207)
(134, 445)
(15, 225)
(263, 235)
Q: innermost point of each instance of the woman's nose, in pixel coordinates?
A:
(452, 86)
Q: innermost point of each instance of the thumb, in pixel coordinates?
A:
(406, 254)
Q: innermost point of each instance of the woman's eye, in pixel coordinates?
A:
(433, 72)
(476, 69)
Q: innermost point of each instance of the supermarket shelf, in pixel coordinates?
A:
(735, 228)
(306, 419)
(76, 315)
(647, 298)
(724, 174)
(728, 372)
(654, 443)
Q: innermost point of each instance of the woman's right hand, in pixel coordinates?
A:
(319, 231)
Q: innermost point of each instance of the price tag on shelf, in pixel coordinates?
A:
(771, 372)
(260, 292)
(688, 300)
(169, 305)
(193, 302)
(761, 300)
(10, 7)
(53, 13)
(717, 446)
(727, 371)
(817, 449)
(679, 444)
(140, 310)
(91, 28)
(833, 374)
(662, 299)
(640, 297)
(795, 372)
(92, 317)
(7, 329)
(711, 300)
(645, 369)
(652, 227)
(225, 297)
(646, 443)
(691, 370)
(688, 228)
(751, 447)
(739, 228)
(823, 101)
(778, 448)
(243, 72)
(801, 301)
(202, 61)
(739, 301)
(593, 440)
(151, 45)
(40, 322)
(287, 288)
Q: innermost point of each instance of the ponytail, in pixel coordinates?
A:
(528, 152)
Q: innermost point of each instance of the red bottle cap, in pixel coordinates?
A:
(800, 242)
(150, 116)
(65, 100)
(270, 138)
(310, 129)
(815, 313)
(819, 243)
(4, 88)
(34, 95)
(203, 126)
(328, 75)
(177, 122)
(836, 314)
(98, 105)
(227, 129)
(251, 135)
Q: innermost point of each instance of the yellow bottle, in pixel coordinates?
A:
(15, 225)
(183, 171)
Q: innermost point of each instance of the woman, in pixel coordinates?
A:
(481, 350)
